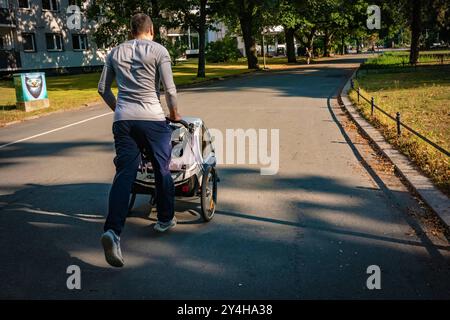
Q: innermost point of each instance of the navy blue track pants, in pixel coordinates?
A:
(131, 137)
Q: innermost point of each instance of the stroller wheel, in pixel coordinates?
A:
(209, 194)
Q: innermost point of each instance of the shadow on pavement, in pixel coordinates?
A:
(304, 248)
(26, 150)
(43, 229)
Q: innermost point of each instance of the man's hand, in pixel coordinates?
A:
(174, 115)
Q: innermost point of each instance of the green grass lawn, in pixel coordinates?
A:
(401, 59)
(422, 96)
(65, 92)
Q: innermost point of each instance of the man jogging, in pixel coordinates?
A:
(140, 125)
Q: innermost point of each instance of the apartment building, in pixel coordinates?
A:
(36, 35)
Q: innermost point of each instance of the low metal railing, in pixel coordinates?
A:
(397, 119)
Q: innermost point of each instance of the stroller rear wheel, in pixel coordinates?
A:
(209, 193)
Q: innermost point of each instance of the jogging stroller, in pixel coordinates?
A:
(193, 167)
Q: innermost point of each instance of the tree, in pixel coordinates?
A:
(311, 17)
(114, 18)
(436, 22)
(395, 19)
(416, 27)
(251, 16)
(246, 10)
(290, 18)
(155, 14)
(196, 14)
(354, 12)
(333, 18)
(435, 15)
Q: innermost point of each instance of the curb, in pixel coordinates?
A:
(420, 184)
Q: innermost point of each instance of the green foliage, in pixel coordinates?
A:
(176, 49)
(252, 16)
(224, 50)
(183, 15)
(114, 19)
(289, 15)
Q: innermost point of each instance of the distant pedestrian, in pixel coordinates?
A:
(308, 55)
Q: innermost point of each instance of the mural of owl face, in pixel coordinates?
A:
(34, 85)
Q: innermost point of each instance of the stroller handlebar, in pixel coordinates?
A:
(185, 124)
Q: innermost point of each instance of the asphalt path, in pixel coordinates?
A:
(309, 231)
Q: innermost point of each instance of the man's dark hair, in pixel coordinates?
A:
(140, 23)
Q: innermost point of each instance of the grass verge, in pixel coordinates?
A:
(400, 59)
(422, 96)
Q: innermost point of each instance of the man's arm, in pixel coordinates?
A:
(170, 91)
(104, 85)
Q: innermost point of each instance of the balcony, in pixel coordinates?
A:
(7, 18)
(9, 60)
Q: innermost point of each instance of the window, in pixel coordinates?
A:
(54, 41)
(51, 5)
(24, 4)
(28, 41)
(79, 42)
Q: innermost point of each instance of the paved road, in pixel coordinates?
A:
(308, 232)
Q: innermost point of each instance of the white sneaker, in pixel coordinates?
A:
(111, 245)
(164, 226)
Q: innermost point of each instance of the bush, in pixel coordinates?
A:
(176, 49)
(222, 50)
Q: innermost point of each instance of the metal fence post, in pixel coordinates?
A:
(358, 93)
(397, 118)
(372, 105)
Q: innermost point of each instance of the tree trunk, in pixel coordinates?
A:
(201, 37)
(358, 46)
(263, 49)
(327, 44)
(155, 19)
(310, 43)
(290, 44)
(415, 31)
(249, 41)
